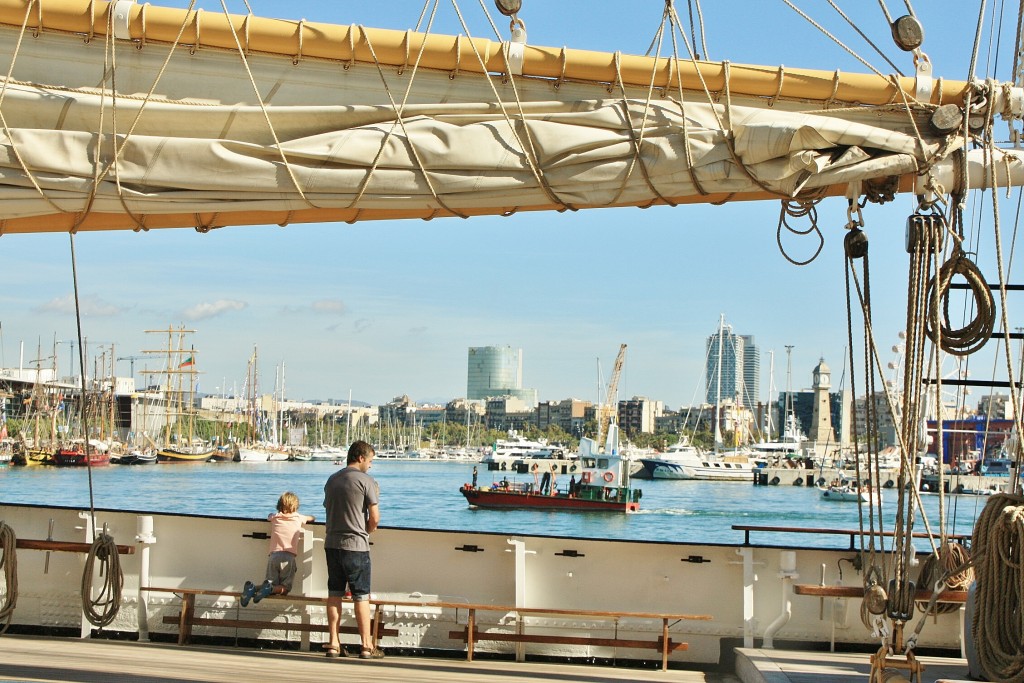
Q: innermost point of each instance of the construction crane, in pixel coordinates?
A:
(131, 360)
(607, 409)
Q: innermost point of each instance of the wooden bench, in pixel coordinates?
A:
(65, 546)
(469, 635)
(858, 592)
(663, 643)
(187, 618)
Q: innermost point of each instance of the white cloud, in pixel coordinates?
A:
(335, 306)
(212, 309)
(89, 306)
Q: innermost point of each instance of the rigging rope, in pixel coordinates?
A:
(863, 35)
(838, 42)
(997, 544)
(109, 599)
(799, 208)
(9, 564)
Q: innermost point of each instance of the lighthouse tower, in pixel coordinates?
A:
(821, 434)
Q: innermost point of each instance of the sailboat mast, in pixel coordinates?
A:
(771, 390)
(786, 426)
(348, 420)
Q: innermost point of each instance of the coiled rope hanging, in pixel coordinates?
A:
(998, 547)
(951, 556)
(972, 336)
(9, 564)
(102, 609)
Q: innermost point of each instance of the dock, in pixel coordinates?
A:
(57, 660)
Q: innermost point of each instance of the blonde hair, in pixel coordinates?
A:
(288, 502)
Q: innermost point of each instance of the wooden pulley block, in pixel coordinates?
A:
(875, 599)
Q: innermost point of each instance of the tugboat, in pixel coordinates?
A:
(602, 485)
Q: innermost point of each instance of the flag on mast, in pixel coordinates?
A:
(188, 362)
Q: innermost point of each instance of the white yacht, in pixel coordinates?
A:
(683, 460)
(517, 448)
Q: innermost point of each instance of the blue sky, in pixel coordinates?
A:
(390, 308)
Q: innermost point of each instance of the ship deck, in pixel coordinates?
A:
(34, 658)
(801, 666)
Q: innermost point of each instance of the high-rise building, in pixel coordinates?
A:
(751, 390)
(497, 371)
(737, 358)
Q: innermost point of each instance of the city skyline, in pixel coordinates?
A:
(388, 308)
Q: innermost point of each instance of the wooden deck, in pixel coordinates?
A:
(30, 658)
(59, 660)
(788, 666)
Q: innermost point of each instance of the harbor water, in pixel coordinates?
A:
(424, 495)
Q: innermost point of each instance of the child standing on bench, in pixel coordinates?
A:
(285, 526)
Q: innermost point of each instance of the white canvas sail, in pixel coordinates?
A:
(107, 136)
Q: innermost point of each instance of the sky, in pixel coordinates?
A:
(383, 309)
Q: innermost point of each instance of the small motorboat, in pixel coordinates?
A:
(847, 491)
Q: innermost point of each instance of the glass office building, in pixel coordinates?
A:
(494, 371)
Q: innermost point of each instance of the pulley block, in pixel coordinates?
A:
(901, 600)
(875, 599)
(908, 33)
(509, 8)
(855, 244)
(926, 232)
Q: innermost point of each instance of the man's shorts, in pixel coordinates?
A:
(348, 571)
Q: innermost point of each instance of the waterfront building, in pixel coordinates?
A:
(497, 371)
(965, 440)
(884, 421)
(508, 412)
(569, 414)
(750, 391)
(396, 411)
(426, 415)
(638, 415)
(996, 407)
(464, 412)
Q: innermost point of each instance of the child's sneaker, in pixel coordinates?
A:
(266, 589)
(248, 592)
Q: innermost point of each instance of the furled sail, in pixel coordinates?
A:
(166, 119)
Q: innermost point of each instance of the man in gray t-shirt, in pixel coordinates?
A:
(351, 499)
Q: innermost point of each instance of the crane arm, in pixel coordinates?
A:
(607, 409)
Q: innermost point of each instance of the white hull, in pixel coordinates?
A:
(728, 471)
(253, 455)
(691, 465)
(329, 454)
(844, 494)
(729, 583)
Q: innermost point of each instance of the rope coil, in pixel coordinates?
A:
(101, 610)
(998, 628)
(951, 557)
(972, 336)
(9, 565)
